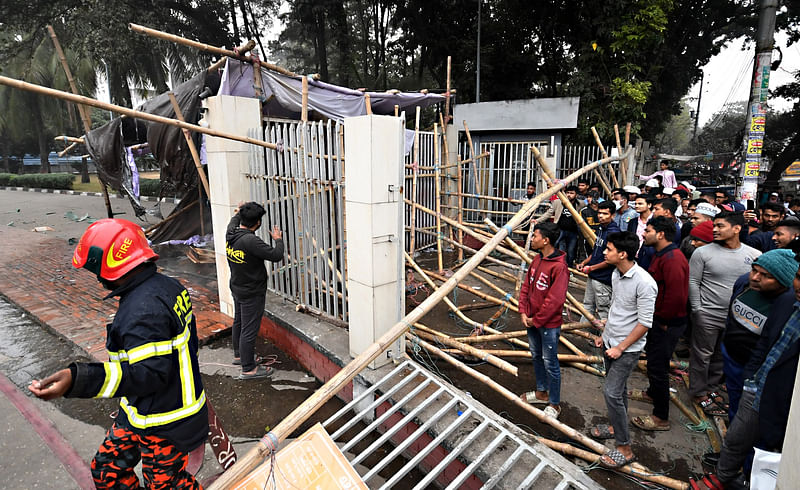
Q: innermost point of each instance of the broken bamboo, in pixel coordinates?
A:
(472, 351)
(190, 143)
(605, 155)
(301, 413)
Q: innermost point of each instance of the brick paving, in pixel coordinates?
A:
(36, 273)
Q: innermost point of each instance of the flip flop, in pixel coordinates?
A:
(530, 397)
(711, 407)
(261, 372)
(601, 431)
(258, 359)
(648, 423)
(619, 460)
(549, 411)
(639, 395)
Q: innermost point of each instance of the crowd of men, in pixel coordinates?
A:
(672, 263)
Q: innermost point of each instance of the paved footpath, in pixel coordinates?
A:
(36, 273)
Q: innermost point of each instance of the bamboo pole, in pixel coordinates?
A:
(489, 198)
(500, 275)
(471, 250)
(438, 197)
(603, 183)
(67, 149)
(480, 294)
(84, 113)
(472, 351)
(489, 284)
(190, 142)
(447, 94)
(622, 174)
(526, 354)
(241, 50)
(257, 87)
(634, 468)
(478, 180)
(415, 172)
(476, 339)
(368, 103)
(69, 139)
(605, 155)
(460, 201)
(204, 47)
(169, 218)
(58, 94)
(625, 162)
(304, 101)
(550, 178)
(301, 413)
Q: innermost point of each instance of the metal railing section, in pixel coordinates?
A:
(426, 190)
(431, 413)
(301, 185)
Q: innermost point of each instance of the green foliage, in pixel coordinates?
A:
(5, 179)
(149, 187)
(43, 181)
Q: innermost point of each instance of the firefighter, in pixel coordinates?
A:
(152, 350)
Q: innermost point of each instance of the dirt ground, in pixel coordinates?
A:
(676, 452)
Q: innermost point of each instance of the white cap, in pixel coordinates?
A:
(668, 191)
(707, 209)
(774, 194)
(689, 186)
(632, 189)
(652, 183)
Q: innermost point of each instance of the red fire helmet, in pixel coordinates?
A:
(111, 248)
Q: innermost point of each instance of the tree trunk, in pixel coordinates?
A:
(322, 45)
(237, 38)
(44, 141)
(6, 155)
(85, 170)
(341, 32)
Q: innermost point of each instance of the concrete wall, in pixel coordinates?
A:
(227, 164)
(519, 115)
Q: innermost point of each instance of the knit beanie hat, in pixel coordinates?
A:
(780, 263)
(704, 231)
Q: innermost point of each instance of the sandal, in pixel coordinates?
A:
(602, 431)
(530, 397)
(552, 412)
(640, 396)
(618, 460)
(261, 372)
(238, 361)
(648, 423)
(711, 407)
(719, 400)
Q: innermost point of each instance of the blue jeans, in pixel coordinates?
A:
(568, 242)
(733, 381)
(615, 392)
(543, 343)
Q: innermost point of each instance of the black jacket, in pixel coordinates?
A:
(152, 349)
(777, 395)
(246, 255)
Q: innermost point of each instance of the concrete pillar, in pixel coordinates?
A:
(374, 227)
(227, 164)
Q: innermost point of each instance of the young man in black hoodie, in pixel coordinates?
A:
(246, 255)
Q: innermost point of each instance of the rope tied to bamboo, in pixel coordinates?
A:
(703, 426)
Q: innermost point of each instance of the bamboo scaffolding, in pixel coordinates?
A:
(471, 250)
(508, 296)
(605, 155)
(190, 143)
(519, 355)
(509, 335)
(447, 94)
(301, 413)
(624, 163)
(368, 103)
(477, 210)
(415, 171)
(480, 294)
(472, 351)
(67, 149)
(550, 178)
(204, 47)
(30, 87)
(489, 198)
(477, 306)
(500, 275)
(304, 100)
(634, 468)
(69, 139)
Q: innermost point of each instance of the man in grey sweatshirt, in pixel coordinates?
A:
(713, 270)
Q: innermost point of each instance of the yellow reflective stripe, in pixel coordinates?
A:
(185, 368)
(157, 419)
(118, 356)
(113, 377)
(146, 351)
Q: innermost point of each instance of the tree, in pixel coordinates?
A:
(676, 138)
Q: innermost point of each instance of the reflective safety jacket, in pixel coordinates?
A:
(152, 349)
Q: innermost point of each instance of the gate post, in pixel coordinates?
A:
(228, 161)
(374, 147)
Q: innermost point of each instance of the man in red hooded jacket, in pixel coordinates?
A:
(541, 300)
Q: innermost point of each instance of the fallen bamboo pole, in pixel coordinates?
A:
(301, 413)
(84, 113)
(500, 275)
(491, 285)
(622, 175)
(190, 143)
(471, 250)
(489, 198)
(169, 218)
(550, 178)
(605, 155)
(30, 87)
(472, 351)
(480, 294)
(525, 354)
(204, 47)
(597, 447)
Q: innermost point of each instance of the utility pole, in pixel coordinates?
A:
(478, 61)
(757, 105)
(697, 111)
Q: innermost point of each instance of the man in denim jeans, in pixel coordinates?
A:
(541, 300)
(629, 318)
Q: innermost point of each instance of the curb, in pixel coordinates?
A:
(172, 200)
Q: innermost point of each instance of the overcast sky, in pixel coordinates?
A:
(727, 76)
